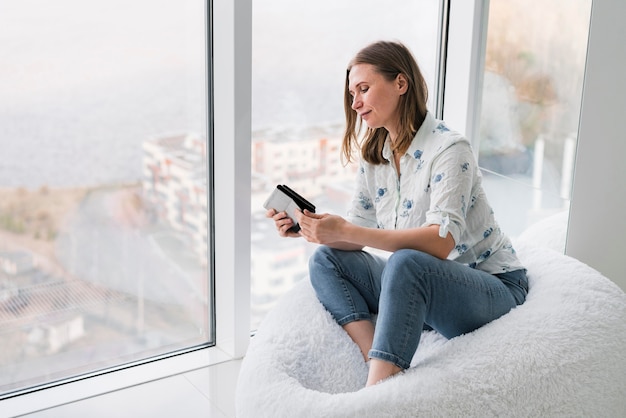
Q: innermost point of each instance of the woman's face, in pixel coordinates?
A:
(374, 98)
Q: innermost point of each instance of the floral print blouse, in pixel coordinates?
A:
(439, 183)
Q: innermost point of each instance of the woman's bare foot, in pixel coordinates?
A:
(381, 370)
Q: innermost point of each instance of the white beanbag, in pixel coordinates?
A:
(561, 353)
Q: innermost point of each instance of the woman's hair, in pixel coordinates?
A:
(389, 59)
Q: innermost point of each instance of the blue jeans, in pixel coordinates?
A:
(410, 292)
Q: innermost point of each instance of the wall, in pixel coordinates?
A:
(597, 224)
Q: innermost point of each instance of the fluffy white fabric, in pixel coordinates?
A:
(550, 232)
(562, 353)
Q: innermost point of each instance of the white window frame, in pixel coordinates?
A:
(465, 64)
(232, 63)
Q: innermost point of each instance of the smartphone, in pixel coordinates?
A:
(284, 199)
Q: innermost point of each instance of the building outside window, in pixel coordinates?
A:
(104, 200)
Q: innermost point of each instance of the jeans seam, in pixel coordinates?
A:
(348, 296)
(383, 355)
(411, 314)
(356, 316)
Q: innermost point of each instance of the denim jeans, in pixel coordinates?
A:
(409, 292)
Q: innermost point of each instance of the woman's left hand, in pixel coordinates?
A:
(320, 228)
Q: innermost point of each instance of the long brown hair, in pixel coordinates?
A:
(389, 59)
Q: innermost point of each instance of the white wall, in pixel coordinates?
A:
(597, 226)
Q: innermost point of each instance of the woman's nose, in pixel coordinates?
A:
(356, 102)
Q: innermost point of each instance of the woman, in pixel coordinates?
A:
(418, 196)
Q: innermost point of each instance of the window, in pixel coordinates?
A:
(531, 101)
(104, 199)
(300, 51)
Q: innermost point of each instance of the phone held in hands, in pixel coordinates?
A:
(284, 199)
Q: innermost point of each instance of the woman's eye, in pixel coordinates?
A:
(364, 89)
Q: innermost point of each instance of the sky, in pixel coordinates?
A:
(84, 83)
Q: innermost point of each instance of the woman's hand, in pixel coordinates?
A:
(320, 228)
(283, 223)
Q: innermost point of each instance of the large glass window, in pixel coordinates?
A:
(104, 255)
(531, 101)
(299, 58)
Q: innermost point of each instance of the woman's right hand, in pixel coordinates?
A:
(283, 223)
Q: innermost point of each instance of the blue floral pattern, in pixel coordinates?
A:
(366, 202)
(418, 156)
(380, 193)
(407, 205)
(441, 128)
(461, 248)
(484, 256)
(463, 206)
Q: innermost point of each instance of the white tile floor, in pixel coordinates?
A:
(206, 392)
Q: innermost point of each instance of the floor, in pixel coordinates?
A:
(207, 392)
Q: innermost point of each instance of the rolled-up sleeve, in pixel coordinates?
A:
(451, 185)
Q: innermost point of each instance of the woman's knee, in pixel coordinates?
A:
(407, 267)
(412, 259)
(321, 258)
(320, 265)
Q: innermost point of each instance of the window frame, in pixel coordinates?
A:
(229, 46)
(466, 48)
(232, 93)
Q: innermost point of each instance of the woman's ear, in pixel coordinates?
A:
(402, 83)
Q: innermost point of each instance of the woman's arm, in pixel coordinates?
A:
(425, 239)
(336, 232)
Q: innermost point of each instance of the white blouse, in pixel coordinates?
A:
(440, 183)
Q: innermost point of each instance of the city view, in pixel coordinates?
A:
(122, 271)
(103, 200)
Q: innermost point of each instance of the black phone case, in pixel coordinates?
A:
(300, 201)
(278, 203)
